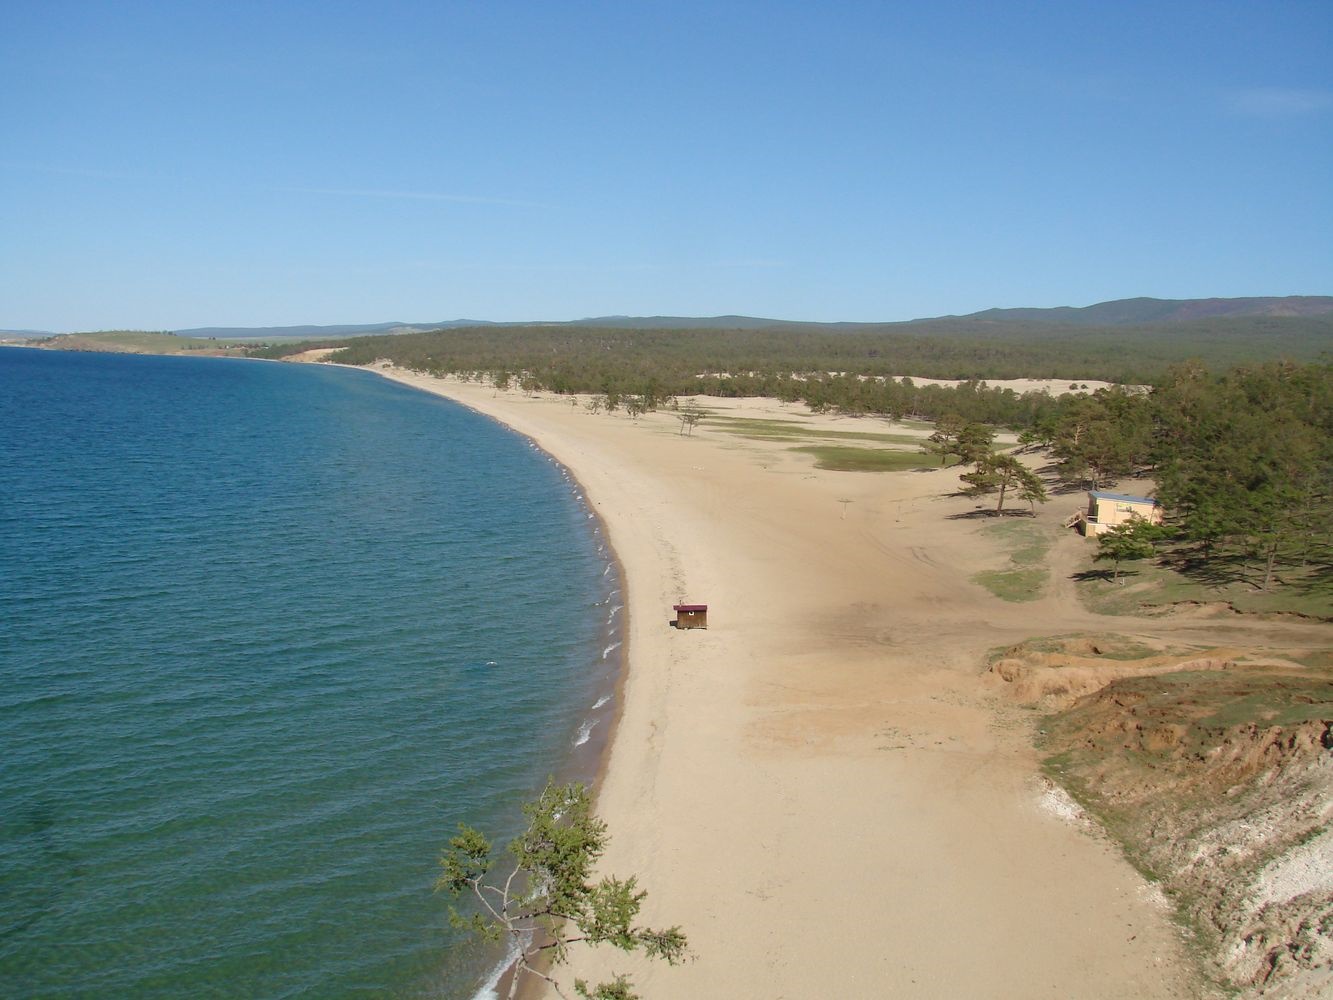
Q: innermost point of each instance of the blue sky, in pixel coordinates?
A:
(170, 165)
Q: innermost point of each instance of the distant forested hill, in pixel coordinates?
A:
(1137, 312)
(1129, 341)
(592, 358)
(1122, 312)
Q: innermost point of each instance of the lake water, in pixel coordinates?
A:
(267, 634)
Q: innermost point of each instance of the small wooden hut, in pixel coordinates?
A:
(691, 615)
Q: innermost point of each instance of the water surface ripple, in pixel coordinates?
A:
(267, 633)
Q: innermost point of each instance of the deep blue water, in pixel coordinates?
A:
(267, 634)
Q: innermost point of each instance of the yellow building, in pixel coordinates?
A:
(1106, 510)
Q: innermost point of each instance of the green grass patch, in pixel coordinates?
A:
(1025, 577)
(1269, 710)
(1015, 585)
(834, 457)
(774, 429)
(1028, 543)
(840, 458)
(1316, 658)
(1102, 645)
(1147, 585)
(759, 425)
(1124, 649)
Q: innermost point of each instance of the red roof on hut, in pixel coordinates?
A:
(689, 607)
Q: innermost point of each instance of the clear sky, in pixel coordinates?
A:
(178, 164)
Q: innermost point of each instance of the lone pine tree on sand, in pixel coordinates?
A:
(1004, 474)
(547, 901)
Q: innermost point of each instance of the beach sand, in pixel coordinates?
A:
(820, 788)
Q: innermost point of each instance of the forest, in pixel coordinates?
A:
(1233, 418)
(1243, 461)
(594, 358)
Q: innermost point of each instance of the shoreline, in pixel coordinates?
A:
(588, 758)
(615, 632)
(823, 759)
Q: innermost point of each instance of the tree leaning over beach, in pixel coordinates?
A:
(548, 901)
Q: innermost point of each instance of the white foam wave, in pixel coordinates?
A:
(585, 732)
(490, 988)
(610, 649)
(601, 701)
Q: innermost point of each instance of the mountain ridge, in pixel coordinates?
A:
(1132, 312)
(1143, 310)
(1117, 312)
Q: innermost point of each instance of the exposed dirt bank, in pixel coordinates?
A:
(1215, 771)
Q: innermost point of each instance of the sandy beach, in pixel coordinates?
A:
(821, 788)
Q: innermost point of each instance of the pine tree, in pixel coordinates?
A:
(1132, 539)
(548, 900)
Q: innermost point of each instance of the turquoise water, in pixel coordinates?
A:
(267, 634)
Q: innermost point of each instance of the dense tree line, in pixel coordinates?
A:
(568, 358)
(1243, 460)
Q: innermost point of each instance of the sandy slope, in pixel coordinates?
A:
(817, 787)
